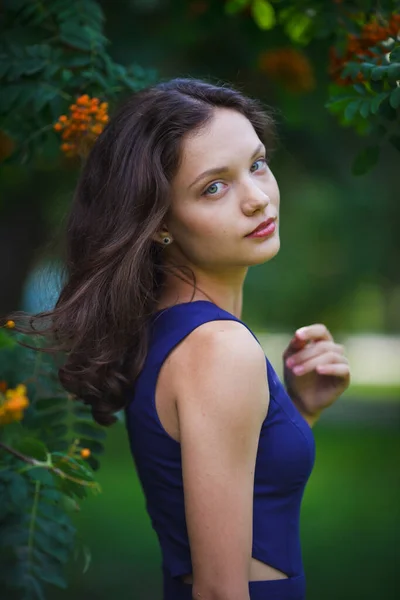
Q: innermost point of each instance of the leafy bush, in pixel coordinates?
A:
(49, 448)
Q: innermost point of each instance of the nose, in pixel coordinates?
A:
(254, 198)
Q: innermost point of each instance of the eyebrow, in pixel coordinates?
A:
(218, 170)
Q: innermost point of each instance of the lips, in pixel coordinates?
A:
(262, 225)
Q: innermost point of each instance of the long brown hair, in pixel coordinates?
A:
(114, 269)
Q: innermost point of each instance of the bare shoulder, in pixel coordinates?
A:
(220, 358)
(219, 343)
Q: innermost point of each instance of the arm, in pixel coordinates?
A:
(222, 400)
(310, 418)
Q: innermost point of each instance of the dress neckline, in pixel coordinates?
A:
(162, 310)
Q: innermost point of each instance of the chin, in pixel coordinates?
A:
(265, 252)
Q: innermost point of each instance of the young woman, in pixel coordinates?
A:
(176, 201)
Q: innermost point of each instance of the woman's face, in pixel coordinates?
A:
(212, 213)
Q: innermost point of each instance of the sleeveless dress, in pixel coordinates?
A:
(284, 461)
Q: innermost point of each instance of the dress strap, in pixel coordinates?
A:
(171, 325)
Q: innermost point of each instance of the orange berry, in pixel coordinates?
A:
(96, 129)
(10, 324)
(73, 107)
(65, 147)
(17, 403)
(57, 127)
(83, 99)
(63, 118)
(85, 452)
(104, 105)
(95, 100)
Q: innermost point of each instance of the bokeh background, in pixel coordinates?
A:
(338, 264)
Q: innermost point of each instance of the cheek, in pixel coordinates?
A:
(275, 193)
(203, 226)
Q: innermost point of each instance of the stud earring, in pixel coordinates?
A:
(166, 240)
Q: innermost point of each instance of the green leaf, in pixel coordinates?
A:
(87, 556)
(395, 141)
(378, 73)
(360, 88)
(366, 68)
(32, 447)
(395, 98)
(48, 418)
(51, 403)
(365, 160)
(376, 86)
(79, 60)
(352, 69)
(393, 73)
(352, 109)
(35, 586)
(9, 96)
(75, 36)
(300, 28)
(43, 96)
(68, 502)
(376, 102)
(41, 474)
(90, 430)
(264, 14)
(234, 6)
(98, 77)
(6, 341)
(53, 574)
(395, 55)
(74, 467)
(16, 491)
(51, 547)
(54, 530)
(365, 108)
(386, 110)
(51, 494)
(66, 75)
(94, 447)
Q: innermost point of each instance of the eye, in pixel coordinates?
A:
(261, 162)
(213, 189)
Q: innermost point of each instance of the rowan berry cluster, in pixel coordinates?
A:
(13, 402)
(363, 47)
(87, 119)
(288, 67)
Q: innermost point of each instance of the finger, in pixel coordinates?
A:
(295, 344)
(313, 350)
(323, 359)
(317, 331)
(338, 370)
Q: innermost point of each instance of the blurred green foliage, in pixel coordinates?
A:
(53, 52)
(43, 473)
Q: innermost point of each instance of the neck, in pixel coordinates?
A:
(224, 289)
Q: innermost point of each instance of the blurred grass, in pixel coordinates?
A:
(350, 522)
(374, 393)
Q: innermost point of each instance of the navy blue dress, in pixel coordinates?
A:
(285, 458)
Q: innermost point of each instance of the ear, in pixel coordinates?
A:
(160, 235)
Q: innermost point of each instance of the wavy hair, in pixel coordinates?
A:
(114, 269)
